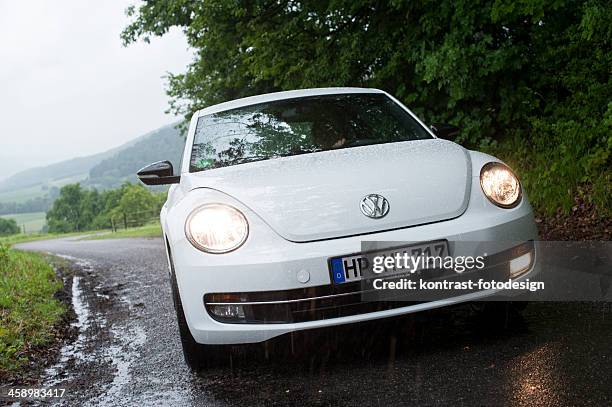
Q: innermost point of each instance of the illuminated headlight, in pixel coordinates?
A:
(500, 185)
(216, 228)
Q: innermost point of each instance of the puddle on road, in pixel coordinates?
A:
(122, 356)
(53, 374)
(107, 346)
(57, 373)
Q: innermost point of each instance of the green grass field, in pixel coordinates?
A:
(30, 237)
(28, 309)
(151, 230)
(32, 221)
(23, 194)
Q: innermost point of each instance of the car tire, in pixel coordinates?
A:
(197, 356)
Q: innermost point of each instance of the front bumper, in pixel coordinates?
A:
(271, 264)
(359, 297)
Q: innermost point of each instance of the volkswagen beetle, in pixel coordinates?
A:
(277, 193)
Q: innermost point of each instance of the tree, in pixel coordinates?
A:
(109, 200)
(532, 71)
(136, 206)
(8, 227)
(77, 209)
(460, 61)
(66, 213)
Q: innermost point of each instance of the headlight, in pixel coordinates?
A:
(500, 185)
(216, 228)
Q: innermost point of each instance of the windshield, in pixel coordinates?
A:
(299, 126)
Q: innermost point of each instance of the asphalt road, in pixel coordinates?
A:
(128, 351)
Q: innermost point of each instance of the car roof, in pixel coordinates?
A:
(291, 94)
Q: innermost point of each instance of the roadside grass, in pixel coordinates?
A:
(149, 230)
(30, 237)
(28, 308)
(554, 178)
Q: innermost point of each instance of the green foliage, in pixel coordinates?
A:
(528, 76)
(78, 209)
(67, 215)
(137, 206)
(8, 227)
(565, 156)
(28, 309)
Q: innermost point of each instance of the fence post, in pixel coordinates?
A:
(125, 220)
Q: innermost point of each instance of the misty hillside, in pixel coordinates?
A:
(34, 190)
(162, 144)
(76, 168)
(48, 174)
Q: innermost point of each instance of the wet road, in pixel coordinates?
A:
(128, 351)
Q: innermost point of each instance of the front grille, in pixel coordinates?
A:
(334, 300)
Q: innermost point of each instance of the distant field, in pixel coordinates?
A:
(69, 180)
(23, 194)
(33, 221)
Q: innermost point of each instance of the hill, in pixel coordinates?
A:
(34, 190)
(162, 144)
(76, 167)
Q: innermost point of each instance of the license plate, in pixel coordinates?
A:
(357, 267)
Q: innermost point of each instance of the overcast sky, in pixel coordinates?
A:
(69, 88)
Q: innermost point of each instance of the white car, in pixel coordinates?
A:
(277, 192)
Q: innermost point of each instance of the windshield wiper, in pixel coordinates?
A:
(251, 159)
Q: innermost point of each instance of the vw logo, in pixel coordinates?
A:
(374, 206)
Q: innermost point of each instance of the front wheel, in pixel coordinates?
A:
(197, 356)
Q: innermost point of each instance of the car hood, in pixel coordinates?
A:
(317, 196)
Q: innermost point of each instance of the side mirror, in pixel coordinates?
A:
(445, 131)
(159, 173)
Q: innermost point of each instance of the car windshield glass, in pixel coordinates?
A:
(299, 126)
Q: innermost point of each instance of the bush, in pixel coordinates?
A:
(8, 227)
